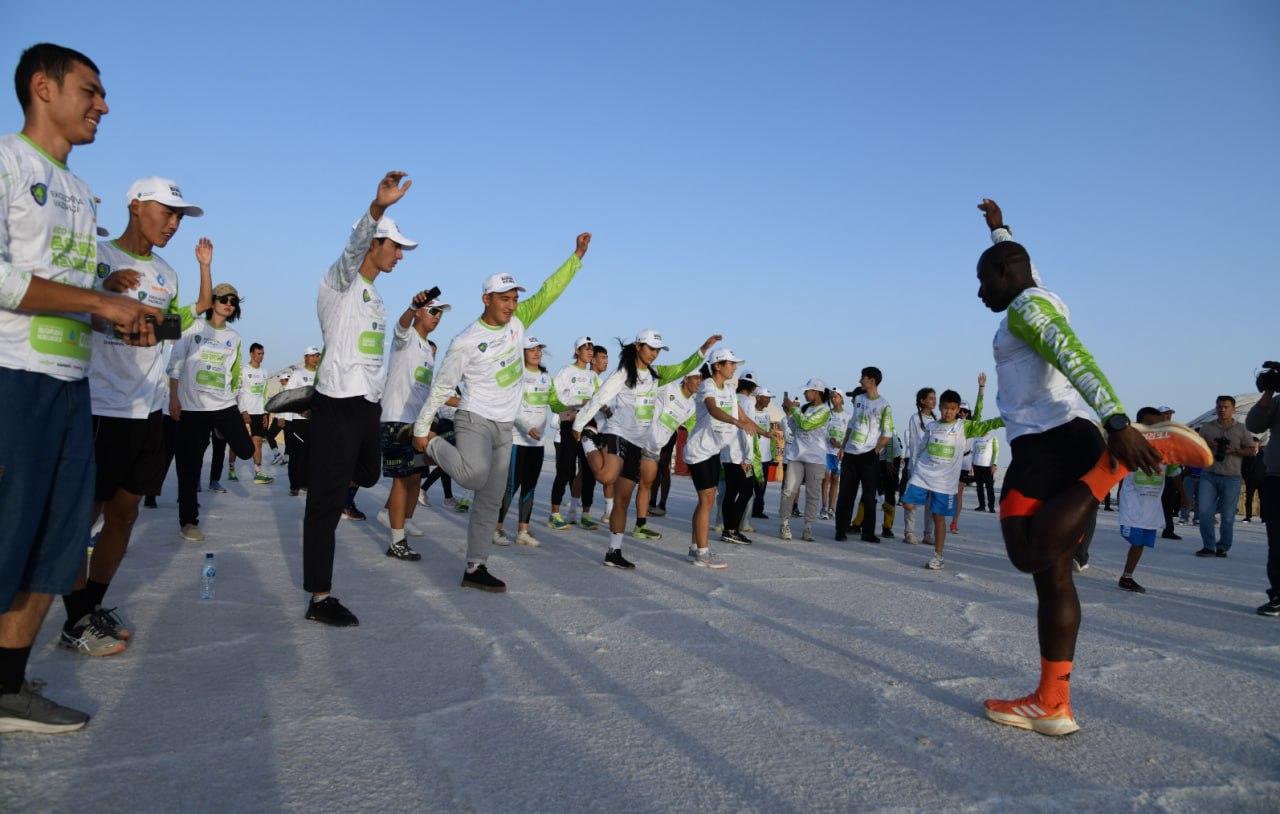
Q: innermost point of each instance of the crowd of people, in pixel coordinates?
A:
(94, 340)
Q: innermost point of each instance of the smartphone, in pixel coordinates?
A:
(168, 328)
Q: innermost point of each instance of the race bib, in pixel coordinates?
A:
(508, 370)
(941, 451)
(61, 342)
(422, 376)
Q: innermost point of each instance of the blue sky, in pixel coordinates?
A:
(801, 177)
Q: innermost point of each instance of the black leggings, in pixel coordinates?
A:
(570, 457)
(862, 469)
(297, 443)
(526, 465)
(441, 426)
(739, 486)
(170, 448)
(662, 485)
(194, 429)
(757, 506)
(985, 477)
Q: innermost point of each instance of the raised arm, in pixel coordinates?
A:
(343, 272)
(529, 310)
(669, 373)
(606, 393)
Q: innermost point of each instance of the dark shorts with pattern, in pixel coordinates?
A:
(398, 456)
(627, 451)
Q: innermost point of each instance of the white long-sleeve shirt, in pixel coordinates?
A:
(353, 320)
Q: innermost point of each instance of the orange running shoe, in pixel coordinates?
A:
(1178, 444)
(1028, 713)
(955, 527)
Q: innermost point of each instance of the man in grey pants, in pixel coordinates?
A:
(487, 360)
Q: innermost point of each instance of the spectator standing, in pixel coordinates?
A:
(1264, 416)
(1220, 484)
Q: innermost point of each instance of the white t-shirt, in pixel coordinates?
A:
(534, 408)
(985, 450)
(809, 432)
(763, 443)
(710, 435)
(575, 385)
(869, 421)
(634, 407)
(48, 229)
(937, 466)
(739, 448)
(1140, 493)
(408, 375)
(675, 409)
(836, 426)
(353, 321)
(253, 390)
(206, 363)
(124, 381)
(300, 377)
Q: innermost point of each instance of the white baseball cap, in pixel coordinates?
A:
(443, 306)
(964, 405)
(764, 393)
(582, 340)
(387, 228)
(531, 342)
(1164, 408)
(651, 338)
(815, 384)
(311, 350)
(500, 283)
(724, 355)
(162, 190)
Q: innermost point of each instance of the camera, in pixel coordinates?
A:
(1220, 446)
(1269, 378)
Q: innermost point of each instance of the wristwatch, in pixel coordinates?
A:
(1116, 422)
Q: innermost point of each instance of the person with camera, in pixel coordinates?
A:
(1265, 417)
(1231, 443)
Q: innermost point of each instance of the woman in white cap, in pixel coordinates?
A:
(916, 438)
(527, 444)
(572, 387)
(413, 358)
(715, 427)
(616, 457)
(807, 465)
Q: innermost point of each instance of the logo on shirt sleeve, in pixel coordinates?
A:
(40, 193)
(484, 346)
(365, 294)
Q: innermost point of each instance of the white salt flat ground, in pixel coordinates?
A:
(807, 677)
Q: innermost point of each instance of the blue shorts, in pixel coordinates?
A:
(1142, 537)
(46, 483)
(934, 502)
(833, 462)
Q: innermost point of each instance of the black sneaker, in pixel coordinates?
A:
(888, 533)
(352, 513)
(795, 511)
(869, 538)
(329, 611)
(1221, 552)
(658, 511)
(150, 502)
(841, 537)
(734, 537)
(1206, 552)
(992, 510)
(614, 559)
(741, 538)
(1169, 535)
(483, 580)
(401, 550)
(28, 711)
(1272, 608)
(1127, 584)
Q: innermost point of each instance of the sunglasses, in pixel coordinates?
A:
(435, 312)
(227, 299)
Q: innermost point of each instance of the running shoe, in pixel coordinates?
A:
(955, 527)
(886, 533)
(87, 638)
(587, 523)
(1272, 608)
(614, 559)
(412, 529)
(718, 527)
(352, 513)
(646, 533)
(423, 500)
(558, 522)
(1079, 567)
(807, 534)
(277, 459)
(1127, 584)
(658, 511)
(262, 478)
(329, 611)
(449, 503)
(910, 538)
(525, 538)
(784, 531)
(28, 711)
(693, 552)
(742, 538)
(214, 486)
(192, 533)
(1221, 552)
(734, 538)
(934, 563)
(1028, 713)
(1206, 552)
(1177, 443)
(462, 506)
(401, 550)
(482, 580)
(500, 537)
(795, 511)
(112, 623)
(231, 474)
(706, 559)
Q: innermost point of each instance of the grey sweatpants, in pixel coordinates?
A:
(479, 459)
(811, 476)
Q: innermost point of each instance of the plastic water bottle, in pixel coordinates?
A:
(208, 572)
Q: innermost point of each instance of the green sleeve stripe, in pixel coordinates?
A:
(186, 316)
(814, 420)
(1037, 322)
(886, 421)
(976, 429)
(557, 406)
(669, 373)
(235, 372)
(529, 310)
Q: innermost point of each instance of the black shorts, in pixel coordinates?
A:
(258, 425)
(1045, 463)
(130, 453)
(627, 451)
(705, 474)
(398, 456)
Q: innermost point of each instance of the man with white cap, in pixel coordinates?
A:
(487, 359)
(572, 386)
(297, 432)
(762, 452)
(128, 389)
(345, 412)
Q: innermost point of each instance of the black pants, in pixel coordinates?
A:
(739, 486)
(348, 451)
(170, 447)
(526, 465)
(194, 428)
(757, 505)
(571, 460)
(1252, 488)
(889, 483)
(662, 487)
(905, 479)
(985, 478)
(219, 455)
(862, 469)
(1171, 501)
(1271, 516)
(297, 444)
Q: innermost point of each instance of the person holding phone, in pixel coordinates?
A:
(128, 388)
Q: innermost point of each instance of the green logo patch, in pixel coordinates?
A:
(40, 193)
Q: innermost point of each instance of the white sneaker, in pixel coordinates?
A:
(384, 517)
(1078, 568)
(934, 563)
(525, 538)
(910, 538)
(192, 533)
(500, 538)
(706, 559)
(784, 531)
(449, 503)
(412, 529)
(807, 535)
(423, 500)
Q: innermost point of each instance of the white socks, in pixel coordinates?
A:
(608, 507)
(397, 536)
(615, 541)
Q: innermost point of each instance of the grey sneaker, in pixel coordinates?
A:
(784, 531)
(28, 711)
(90, 638)
(807, 536)
(500, 538)
(706, 559)
(934, 563)
(214, 486)
(192, 533)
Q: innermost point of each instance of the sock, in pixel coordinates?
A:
(13, 668)
(1127, 575)
(1055, 682)
(78, 603)
(608, 506)
(472, 566)
(615, 541)
(397, 536)
(1101, 479)
(96, 591)
(889, 512)
(640, 522)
